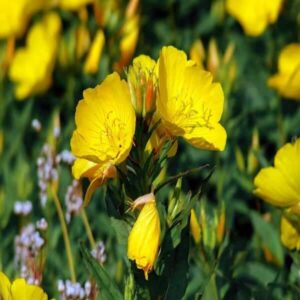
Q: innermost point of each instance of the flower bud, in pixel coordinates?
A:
(142, 80)
(144, 238)
(195, 227)
(91, 65)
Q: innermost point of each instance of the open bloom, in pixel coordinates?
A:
(105, 121)
(144, 238)
(19, 289)
(189, 104)
(254, 15)
(287, 80)
(280, 185)
(14, 16)
(33, 65)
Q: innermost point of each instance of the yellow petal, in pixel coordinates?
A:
(286, 81)
(84, 168)
(74, 4)
(213, 138)
(14, 16)
(289, 58)
(32, 66)
(254, 15)
(4, 287)
(290, 235)
(189, 104)
(280, 185)
(105, 121)
(144, 238)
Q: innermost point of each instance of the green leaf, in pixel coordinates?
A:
(210, 291)
(179, 271)
(107, 287)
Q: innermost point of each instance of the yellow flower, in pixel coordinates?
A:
(195, 227)
(254, 15)
(290, 234)
(189, 104)
(280, 185)
(14, 16)
(19, 290)
(105, 121)
(91, 65)
(33, 65)
(73, 4)
(142, 80)
(286, 81)
(144, 238)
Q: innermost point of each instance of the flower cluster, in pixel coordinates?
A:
(28, 247)
(74, 291)
(175, 97)
(31, 67)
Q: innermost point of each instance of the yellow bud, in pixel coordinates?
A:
(221, 224)
(131, 8)
(197, 53)
(239, 159)
(91, 65)
(82, 41)
(213, 61)
(129, 37)
(252, 160)
(144, 238)
(229, 53)
(142, 80)
(195, 227)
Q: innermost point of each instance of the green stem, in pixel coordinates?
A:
(65, 235)
(88, 228)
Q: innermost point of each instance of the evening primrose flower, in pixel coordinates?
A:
(144, 238)
(290, 234)
(286, 81)
(189, 104)
(32, 66)
(255, 15)
(280, 185)
(105, 121)
(14, 16)
(19, 289)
